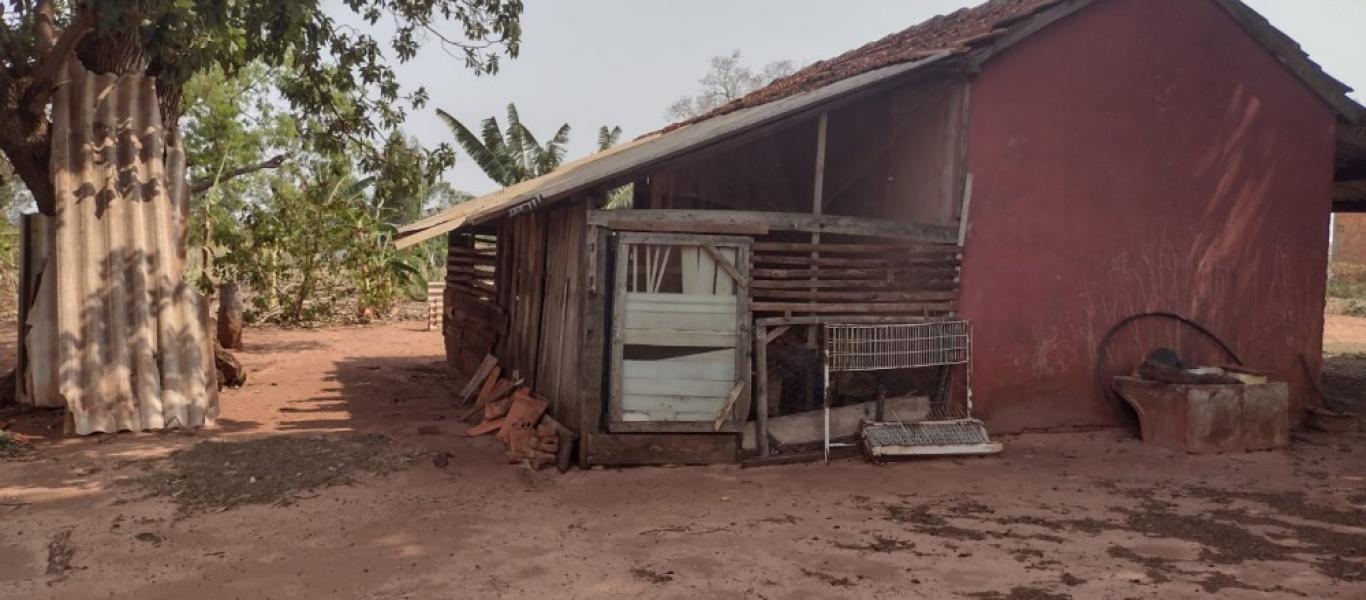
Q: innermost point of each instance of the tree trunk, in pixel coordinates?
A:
(230, 315)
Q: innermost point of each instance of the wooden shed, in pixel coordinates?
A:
(1041, 168)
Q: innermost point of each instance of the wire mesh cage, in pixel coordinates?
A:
(896, 346)
(947, 427)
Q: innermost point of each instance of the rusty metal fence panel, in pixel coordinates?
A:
(119, 329)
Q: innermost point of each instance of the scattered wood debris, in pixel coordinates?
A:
(517, 417)
(485, 368)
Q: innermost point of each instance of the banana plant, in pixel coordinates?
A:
(511, 154)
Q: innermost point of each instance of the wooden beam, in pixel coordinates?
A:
(728, 406)
(477, 379)
(847, 319)
(839, 248)
(805, 273)
(776, 333)
(860, 308)
(725, 264)
(963, 213)
(866, 263)
(761, 340)
(818, 189)
(861, 295)
(759, 223)
(947, 275)
(595, 336)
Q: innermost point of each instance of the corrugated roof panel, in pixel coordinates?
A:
(131, 351)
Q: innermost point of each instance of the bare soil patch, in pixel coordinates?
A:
(1036, 522)
(269, 470)
(1021, 593)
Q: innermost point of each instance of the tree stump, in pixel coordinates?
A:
(230, 315)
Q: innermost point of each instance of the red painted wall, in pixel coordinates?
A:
(1140, 155)
(1349, 249)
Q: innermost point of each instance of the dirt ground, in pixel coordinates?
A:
(327, 490)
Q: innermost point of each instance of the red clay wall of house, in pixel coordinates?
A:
(1349, 247)
(1140, 155)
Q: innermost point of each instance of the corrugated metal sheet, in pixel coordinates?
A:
(37, 301)
(640, 153)
(113, 323)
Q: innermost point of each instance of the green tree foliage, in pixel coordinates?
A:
(318, 249)
(608, 137)
(287, 108)
(13, 199)
(510, 155)
(309, 238)
(337, 74)
(619, 197)
(404, 183)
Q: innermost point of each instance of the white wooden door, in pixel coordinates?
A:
(680, 351)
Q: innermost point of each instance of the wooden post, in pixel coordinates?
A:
(816, 209)
(963, 212)
(818, 189)
(761, 389)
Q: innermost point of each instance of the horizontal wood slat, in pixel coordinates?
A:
(856, 262)
(798, 284)
(854, 308)
(680, 338)
(670, 387)
(859, 295)
(666, 415)
(764, 222)
(840, 248)
(472, 260)
(854, 278)
(722, 369)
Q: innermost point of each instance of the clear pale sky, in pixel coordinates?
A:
(621, 62)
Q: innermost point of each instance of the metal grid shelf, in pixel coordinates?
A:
(928, 438)
(915, 344)
(854, 347)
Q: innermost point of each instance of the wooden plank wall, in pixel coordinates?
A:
(558, 363)
(472, 322)
(521, 254)
(854, 278)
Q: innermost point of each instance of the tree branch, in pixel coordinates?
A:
(51, 62)
(207, 184)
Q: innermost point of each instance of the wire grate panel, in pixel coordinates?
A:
(897, 346)
(926, 433)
